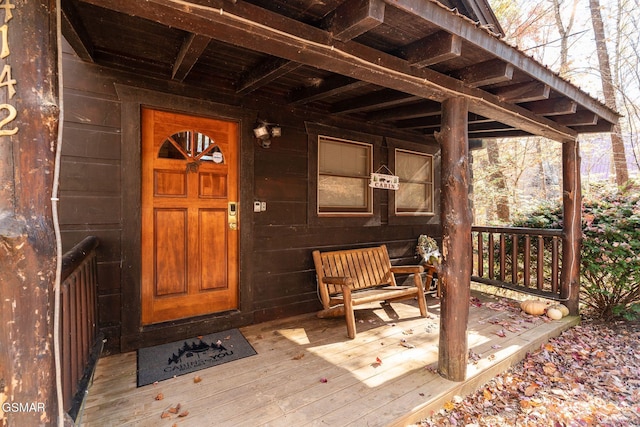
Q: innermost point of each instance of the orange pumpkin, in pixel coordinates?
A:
(533, 307)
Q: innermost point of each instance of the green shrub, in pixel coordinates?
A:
(610, 274)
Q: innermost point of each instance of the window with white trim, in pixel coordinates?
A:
(415, 195)
(344, 169)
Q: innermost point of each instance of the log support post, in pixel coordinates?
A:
(456, 219)
(29, 104)
(572, 226)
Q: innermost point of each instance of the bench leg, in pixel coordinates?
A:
(422, 301)
(348, 312)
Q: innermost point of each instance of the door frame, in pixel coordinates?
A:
(133, 334)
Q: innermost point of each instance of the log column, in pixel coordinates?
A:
(572, 225)
(456, 218)
(28, 140)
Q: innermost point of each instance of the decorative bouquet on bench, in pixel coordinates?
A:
(428, 249)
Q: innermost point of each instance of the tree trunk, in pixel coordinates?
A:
(565, 32)
(456, 220)
(498, 181)
(617, 144)
(29, 98)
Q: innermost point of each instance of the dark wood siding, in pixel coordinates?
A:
(277, 276)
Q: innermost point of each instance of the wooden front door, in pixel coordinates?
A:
(189, 216)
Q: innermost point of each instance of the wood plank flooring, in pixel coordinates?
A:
(308, 373)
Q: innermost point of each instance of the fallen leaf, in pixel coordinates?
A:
(197, 379)
(324, 380)
(531, 390)
(159, 396)
(549, 368)
(165, 415)
(183, 414)
(298, 356)
(378, 361)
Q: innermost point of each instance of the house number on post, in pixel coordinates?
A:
(8, 112)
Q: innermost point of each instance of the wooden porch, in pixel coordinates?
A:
(284, 384)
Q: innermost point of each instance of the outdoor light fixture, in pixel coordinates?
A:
(264, 131)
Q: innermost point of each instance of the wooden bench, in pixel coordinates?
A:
(353, 277)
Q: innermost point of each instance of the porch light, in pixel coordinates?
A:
(264, 131)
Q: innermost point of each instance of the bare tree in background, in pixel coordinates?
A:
(565, 31)
(626, 76)
(608, 89)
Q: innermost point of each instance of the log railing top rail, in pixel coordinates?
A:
(73, 258)
(518, 230)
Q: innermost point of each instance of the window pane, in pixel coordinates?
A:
(343, 158)
(169, 151)
(413, 167)
(341, 192)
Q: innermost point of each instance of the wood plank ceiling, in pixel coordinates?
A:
(386, 61)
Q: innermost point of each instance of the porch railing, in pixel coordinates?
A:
(80, 341)
(526, 260)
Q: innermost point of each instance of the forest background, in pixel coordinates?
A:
(595, 45)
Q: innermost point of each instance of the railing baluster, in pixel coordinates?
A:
(527, 261)
(503, 256)
(480, 254)
(554, 265)
(491, 249)
(540, 264)
(514, 259)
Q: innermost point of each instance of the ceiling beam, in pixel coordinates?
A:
(523, 92)
(377, 100)
(190, 52)
(486, 73)
(580, 118)
(349, 20)
(354, 18)
(435, 121)
(264, 73)
(433, 49)
(251, 27)
(75, 32)
(552, 107)
(326, 88)
(601, 127)
(441, 16)
(422, 109)
(504, 133)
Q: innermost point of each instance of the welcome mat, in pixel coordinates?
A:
(182, 357)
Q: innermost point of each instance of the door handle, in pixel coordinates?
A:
(232, 215)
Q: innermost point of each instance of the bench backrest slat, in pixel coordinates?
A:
(367, 267)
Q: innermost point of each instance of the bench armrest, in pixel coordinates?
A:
(415, 269)
(329, 280)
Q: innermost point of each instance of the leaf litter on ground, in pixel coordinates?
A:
(587, 376)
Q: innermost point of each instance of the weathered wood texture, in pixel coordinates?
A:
(354, 277)
(521, 259)
(572, 226)
(27, 247)
(90, 182)
(97, 162)
(80, 341)
(456, 222)
(284, 379)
